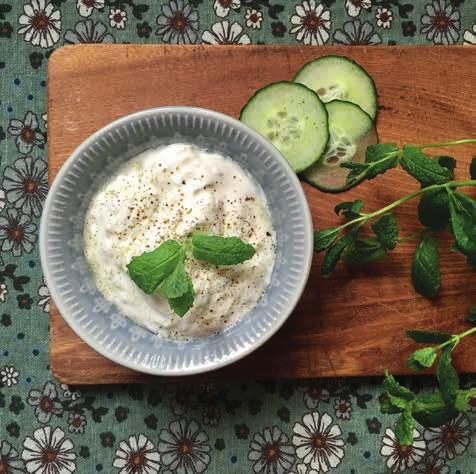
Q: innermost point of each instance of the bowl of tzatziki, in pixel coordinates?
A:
(176, 240)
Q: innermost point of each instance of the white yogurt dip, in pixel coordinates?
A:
(168, 193)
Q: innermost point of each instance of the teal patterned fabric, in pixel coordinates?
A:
(272, 427)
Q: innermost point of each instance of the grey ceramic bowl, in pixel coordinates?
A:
(98, 322)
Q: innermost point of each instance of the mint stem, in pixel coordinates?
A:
(456, 338)
(383, 210)
(449, 143)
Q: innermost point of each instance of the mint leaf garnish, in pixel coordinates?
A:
(323, 239)
(404, 427)
(433, 209)
(363, 251)
(462, 399)
(392, 387)
(472, 168)
(421, 358)
(183, 303)
(164, 267)
(463, 223)
(386, 230)
(221, 250)
(447, 376)
(423, 168)
(349, 209)
(334, 253)
(177, 283)
(151, 268)
(447, 162)
(428, 336)
(431, 410)
(425, 268)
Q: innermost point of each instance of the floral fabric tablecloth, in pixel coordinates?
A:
(271, 427)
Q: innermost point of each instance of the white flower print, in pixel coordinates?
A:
(451, 439)
(69, 394)
(3, 292)
(226, 33)
(117, 18)
(45, 119)
(313, 395)
(343, 409)
(26, 132)
(10, 463)
(469, 37)
(184, 447)
(358, 33)
(178, 23)
(26, 184)
(44, 297)
(2, 199)
(311, 23)
(138, 456)
(9, 375)
(400, 458)
(253, 18)
(318, 442)
(440, 22)
(76, 423)
(432, 465)
(223, 7)
(88, 32)
(271, 452)
(354, 7)
(48, 452)
(86, 7)
(40, 23)
(384, 17)
(45, 402)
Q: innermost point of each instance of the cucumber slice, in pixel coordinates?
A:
(292, 118)
(338, 77)
(352, 131)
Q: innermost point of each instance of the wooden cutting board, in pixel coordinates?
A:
(354, 322)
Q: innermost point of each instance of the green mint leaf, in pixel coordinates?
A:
(425, 268)
(323, 239)
(392, 387)
(380, 151)
(433, 209)
(356, 174)
(349, 209)
(421, 358)
(363, 251)
(334, 253)
(472, 315)
(447, 376)
(177, 283)
(428, 336)
(151, 268)
(423, 168)
(447, 162)
(386, 230)
(380, 158)
(221, 250)
(390, 405)
(183, 303)
(462, 399)
(404, 427)
(431, 410)
(463, 223)
(472, 168)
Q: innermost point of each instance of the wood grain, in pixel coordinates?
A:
(352, 323)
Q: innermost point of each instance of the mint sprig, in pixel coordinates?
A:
(442, 207)
(164, 267)
(427, 409)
